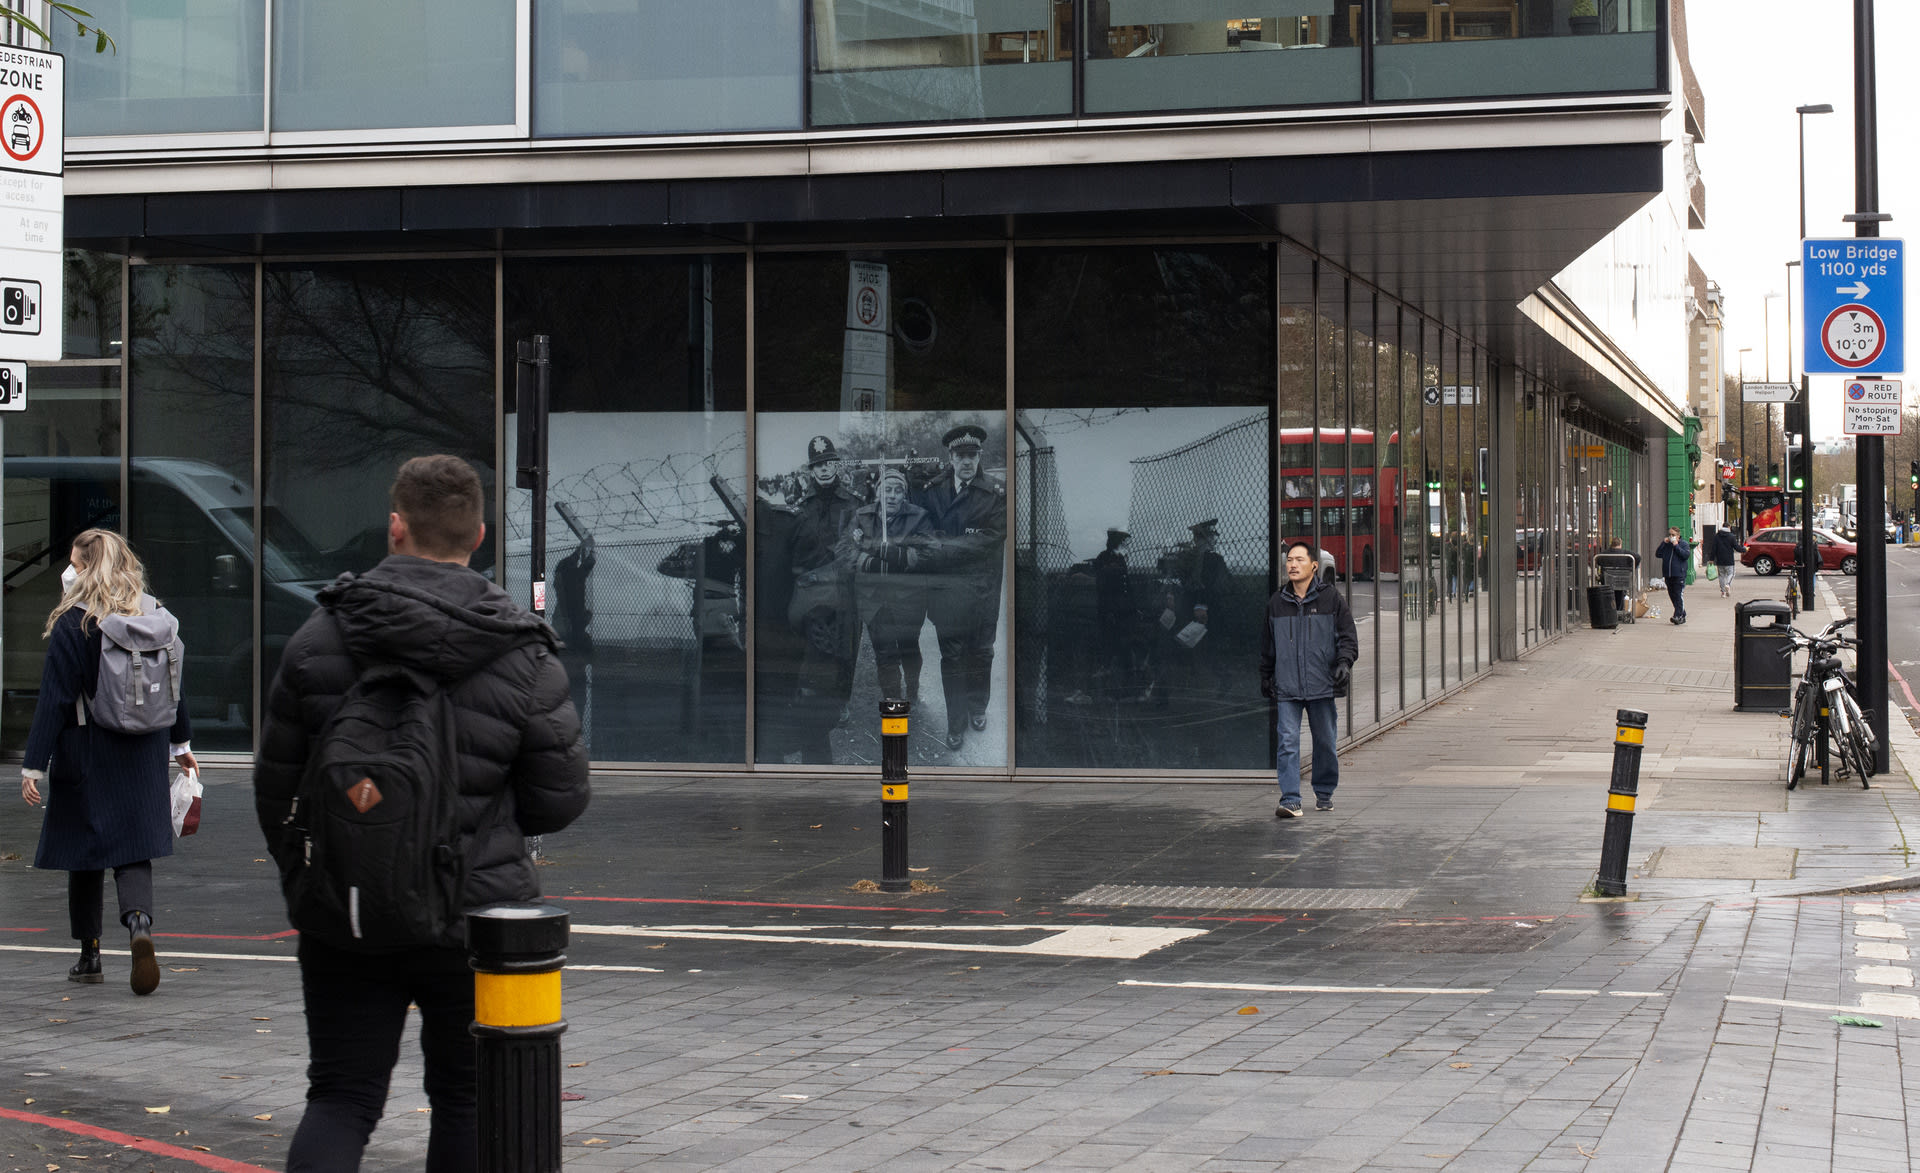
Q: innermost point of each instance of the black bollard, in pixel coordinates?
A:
(893, 796)
(1618, 839)
(516, 951)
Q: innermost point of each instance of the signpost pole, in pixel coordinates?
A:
(1869, 466)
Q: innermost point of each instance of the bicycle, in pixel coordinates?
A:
(1826, 715)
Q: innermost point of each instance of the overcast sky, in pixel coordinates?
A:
(1757, 60)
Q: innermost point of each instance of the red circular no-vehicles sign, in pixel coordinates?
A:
(1853, 336)
(22, 127)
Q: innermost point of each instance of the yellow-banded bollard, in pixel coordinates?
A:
(1621, 792)
(893, 796)
(516, 951)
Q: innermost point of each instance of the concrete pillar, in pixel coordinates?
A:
(1503, 522)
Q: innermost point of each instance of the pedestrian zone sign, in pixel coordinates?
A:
(1854, 290)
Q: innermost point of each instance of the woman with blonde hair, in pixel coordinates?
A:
(106, 791)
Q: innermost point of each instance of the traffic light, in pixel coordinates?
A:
(1433, 479)
(1913, 475)
(1773, 474)
(1796, 469)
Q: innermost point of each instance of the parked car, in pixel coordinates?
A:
(1771, 549)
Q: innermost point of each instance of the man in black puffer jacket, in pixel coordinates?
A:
(522, 771)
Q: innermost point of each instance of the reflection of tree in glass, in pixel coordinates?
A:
(191, 362)
(382, 361)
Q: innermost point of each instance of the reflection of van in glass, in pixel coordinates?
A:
(193, 527)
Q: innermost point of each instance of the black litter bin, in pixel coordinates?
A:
(1762, 677)
(1600, 610)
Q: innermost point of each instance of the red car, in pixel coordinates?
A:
(1770, 549)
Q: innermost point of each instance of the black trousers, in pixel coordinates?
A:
(1677, 587)
(132, 883)
(356, 1012)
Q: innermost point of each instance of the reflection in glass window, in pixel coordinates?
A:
(190, 491)
(1194, 54)
(92, 298)
(1470, 48)
(434, 63)
(650, 66)
(1143, 540)
(940, 60)
(646, 537)
(62, 466)
(880, 508)
(188, 67)
(366, 365)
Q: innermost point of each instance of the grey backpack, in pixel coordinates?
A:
(139, 686)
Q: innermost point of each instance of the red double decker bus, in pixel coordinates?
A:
(1357, 495)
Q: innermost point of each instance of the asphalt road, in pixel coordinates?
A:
(1903, 622)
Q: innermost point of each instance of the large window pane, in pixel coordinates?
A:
(1199, 54)
(395, 65)
(646, 537)
(62, 476)
(940, 61)
(92, 297)
(1144, 541)
(1485, 48)
(880, 507)
(366, 365)
(190, 490)
(647, 66)
(185, 67)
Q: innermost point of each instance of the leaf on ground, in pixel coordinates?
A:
(919, 869)
(1248, 1010)
(923, 886)
(29, 1099)
(1855, 1020)
(1459, 1066)
(593, 1140)
(162, 1110)
(864, 886)
(183, 969)
(582, 1063)
(262, 1018)
(656, 946)
(1162, 1071)
(264, 1116)
(233, 1077)
(815, 826)
(570, 1096)
(56, 1021)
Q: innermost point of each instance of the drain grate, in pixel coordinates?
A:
(1173, 896)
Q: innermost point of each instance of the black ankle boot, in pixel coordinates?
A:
(87, 969)
(145, 975)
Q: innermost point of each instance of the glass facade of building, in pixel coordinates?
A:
(1042, 490)
(501, 69)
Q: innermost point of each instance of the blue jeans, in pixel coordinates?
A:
(1323, 718)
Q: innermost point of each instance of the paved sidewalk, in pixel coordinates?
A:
(1120, 976)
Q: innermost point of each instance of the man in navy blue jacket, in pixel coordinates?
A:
(1674, 555)
(1306, 660)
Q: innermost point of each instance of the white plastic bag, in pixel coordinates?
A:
(1191, 635)
(185, 796)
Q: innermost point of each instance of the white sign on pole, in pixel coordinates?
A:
(32, 202)
(13, 386)
(866, 350)
(1767, 392)
(1870, 407)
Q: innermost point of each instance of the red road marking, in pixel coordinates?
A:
(1265, 920)
(140, 1143)
(1895, 673)
(6, 930)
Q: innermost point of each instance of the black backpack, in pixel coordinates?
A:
(379, 861)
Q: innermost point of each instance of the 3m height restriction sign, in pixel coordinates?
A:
(32, 202)
(1855, 296)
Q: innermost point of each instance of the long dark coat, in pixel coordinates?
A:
(106, 792)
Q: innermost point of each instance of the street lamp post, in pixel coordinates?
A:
(1805, 414)
(1746, 470)
(1766, 336)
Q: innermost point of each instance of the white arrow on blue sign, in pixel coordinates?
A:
(1854, 290)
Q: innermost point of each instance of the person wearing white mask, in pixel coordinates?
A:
(106, 791)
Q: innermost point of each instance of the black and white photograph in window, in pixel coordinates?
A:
(880, 567)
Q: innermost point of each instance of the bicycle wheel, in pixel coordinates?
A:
(1862, 745)
(1800, 747)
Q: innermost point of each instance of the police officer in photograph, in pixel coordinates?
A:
(821, 609)
(968, 513)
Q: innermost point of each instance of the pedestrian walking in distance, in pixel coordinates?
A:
(1727, 548)
(421, 638)
(1674, 554)
(1306, 661)
(106, 789)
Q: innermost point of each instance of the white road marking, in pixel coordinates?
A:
(617, 968)
(1120, 942)
(1257, 988)
(1880, 950)
(1571, 993)
(1636, 993)
(164, 955)
(1869, 1004)
(1886, 932)
(1869, 910)
(1883, 975)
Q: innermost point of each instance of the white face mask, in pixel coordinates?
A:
(67, 577)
